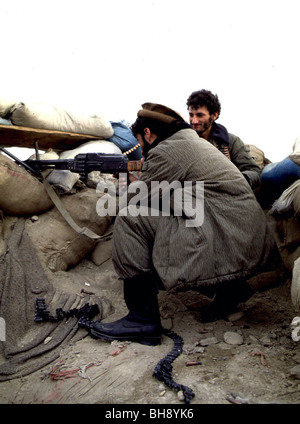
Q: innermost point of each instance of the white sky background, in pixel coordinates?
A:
(109, 57)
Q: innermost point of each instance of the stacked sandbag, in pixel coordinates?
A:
(296, 201)
(58, 246)
(282, 179)
(102, 251)
(288, 201)
(295, 157)
(20, 192)
(6, 226)
(258, 155)
(49, 117)
(295, 287)
(93, 146)
(6, 105)
(64, 181)
(288, 232)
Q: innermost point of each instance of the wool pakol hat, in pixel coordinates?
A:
(159, 112)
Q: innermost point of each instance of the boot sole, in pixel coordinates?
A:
(149, 341)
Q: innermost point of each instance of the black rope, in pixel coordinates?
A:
(163, 369)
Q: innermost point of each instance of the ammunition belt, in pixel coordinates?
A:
(163, 369)
(223, 149)
(84, 314)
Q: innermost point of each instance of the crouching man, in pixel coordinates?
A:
(213, 247)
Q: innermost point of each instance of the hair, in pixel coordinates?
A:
(157, 127)
(204, 98)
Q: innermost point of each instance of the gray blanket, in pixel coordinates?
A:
(22, 281)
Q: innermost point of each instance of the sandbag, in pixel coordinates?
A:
(50, 154)
(94, 146)
(288, 230)
(295, 156)
(64, 181)
(6, 106)
(102, 252)
(296, 147)
(6, 226)
(258, 155)
(49, 117)
(20, 192)
(295, 286)
(126, 141)
(296, 201)
(56, 243)
(287, 234)
(285, 203)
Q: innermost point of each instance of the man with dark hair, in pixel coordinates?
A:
(212, 248)
(204, 109)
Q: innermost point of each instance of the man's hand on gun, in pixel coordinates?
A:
(132, 176)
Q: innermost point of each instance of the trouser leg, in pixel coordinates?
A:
(133, 244)
(132, 253)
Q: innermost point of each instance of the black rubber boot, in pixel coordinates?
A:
(226, 299)
(142, 324)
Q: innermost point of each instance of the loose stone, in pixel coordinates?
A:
(180, 395)
(235, 316)
(208, 341)
(295, 372)
(233, 338)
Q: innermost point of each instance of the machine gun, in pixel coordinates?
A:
(84, 163)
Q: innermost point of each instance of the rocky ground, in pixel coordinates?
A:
(247, 358)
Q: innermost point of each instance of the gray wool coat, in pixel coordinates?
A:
(232, 240)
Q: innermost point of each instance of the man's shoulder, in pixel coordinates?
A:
(234, 138)
(236, 143)
(185, 142)
(174, 141)
(184, 133)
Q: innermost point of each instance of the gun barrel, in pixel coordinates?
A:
(83, 163)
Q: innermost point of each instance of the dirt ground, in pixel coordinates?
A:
(259, 368)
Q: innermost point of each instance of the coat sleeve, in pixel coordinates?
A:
(160, 166)
(243, 160)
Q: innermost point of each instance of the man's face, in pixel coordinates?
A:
(145, 140)
(144, 143)
(201, 120)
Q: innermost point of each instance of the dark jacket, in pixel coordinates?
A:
(233, 147)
